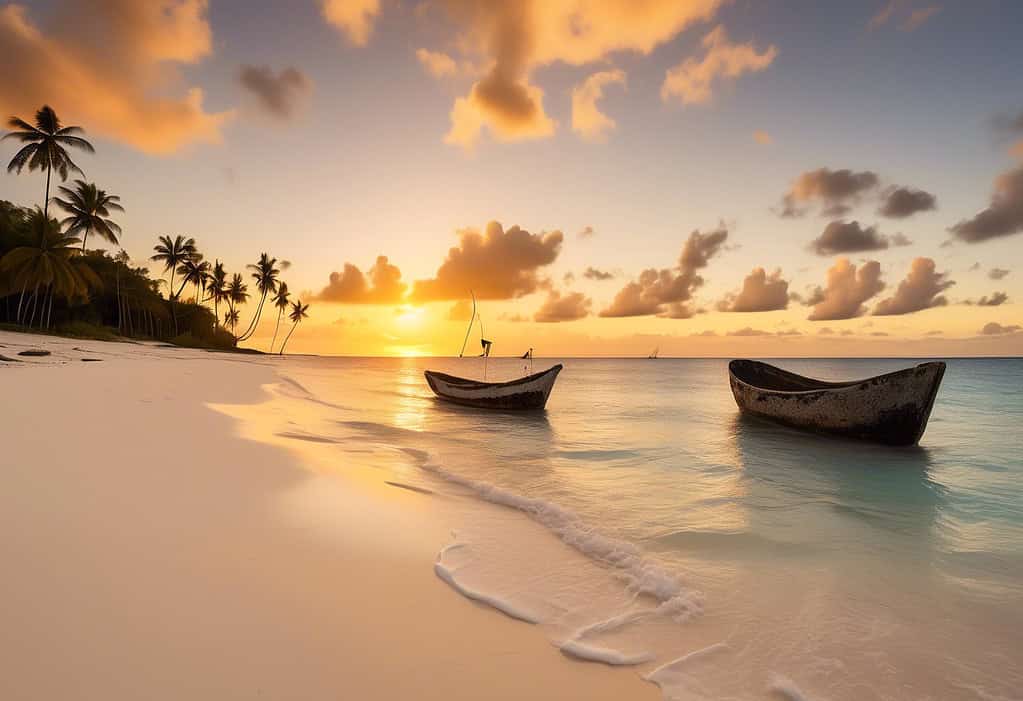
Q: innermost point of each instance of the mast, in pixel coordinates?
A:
(472, 318)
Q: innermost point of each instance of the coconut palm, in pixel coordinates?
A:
(217, 288)
(298, 312)
(172, 253)
(43, 264)
(265, 273)
(195, 270)
(237, 293)
(280, 301)
(44, 147)
(89, 207)
(231, 319)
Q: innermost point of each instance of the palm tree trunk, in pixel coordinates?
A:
(255, 319)
(183, 283)
(46, 202)
(276, 328)
(85, 238)
(21, 299)
(35, 300)
(287, 337)
(49, 309)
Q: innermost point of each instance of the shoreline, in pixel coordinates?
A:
(157, 551)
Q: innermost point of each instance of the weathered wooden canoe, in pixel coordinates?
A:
(529, 392)
(891, 409)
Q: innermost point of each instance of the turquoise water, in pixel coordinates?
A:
(642, 519)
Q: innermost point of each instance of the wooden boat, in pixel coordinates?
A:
(525, 393)
(892, 409)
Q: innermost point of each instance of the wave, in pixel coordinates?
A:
(508, 608)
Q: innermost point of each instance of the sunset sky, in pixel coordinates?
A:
(708, 177)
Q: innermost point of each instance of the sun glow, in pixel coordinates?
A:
(407, 315)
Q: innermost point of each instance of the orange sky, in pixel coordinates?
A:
(705, 177)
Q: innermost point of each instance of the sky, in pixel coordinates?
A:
(709, 178)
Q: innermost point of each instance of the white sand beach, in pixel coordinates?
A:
(147, 551)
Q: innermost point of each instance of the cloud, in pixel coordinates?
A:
(760, 293)
(847, 289)
(995, 329)
(279, 94)
(558, 307)
(843, 237)
(666, 292)
(884, 14)
(935, 332)
(513, 39)
(1003, 217)
(915, 17)
(920, 290)
(101, 62)
(918, 17)
(997, 273)
(902, 202)
(436, 63)
(587, 120)
(586, 232)
(384, 285)
(996, 299)
(825, 331)
(592, 273)
(748, 331)
(514, 318)
(836, 190)
(494, 264)
(692, 81)
(762, 138)
(353, 18)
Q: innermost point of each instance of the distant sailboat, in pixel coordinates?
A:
(653, 355)
(530, 392)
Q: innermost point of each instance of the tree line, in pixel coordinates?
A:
(50, 280)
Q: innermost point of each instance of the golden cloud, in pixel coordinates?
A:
(760, 293)
(920, 290)
(846, 290)
(514, 38)
(667, 292)
(384, 285)
(692, 80)
(493, 264)
(112, 65)
(587, 119)
(353, 18)
(558, 307)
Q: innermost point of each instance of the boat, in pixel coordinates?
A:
(523, 394)
(891, 409)
(653, 355)
(526, 393)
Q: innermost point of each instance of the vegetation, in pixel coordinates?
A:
(51, 282)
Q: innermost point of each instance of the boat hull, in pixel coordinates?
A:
(892, 409)
(525, 394)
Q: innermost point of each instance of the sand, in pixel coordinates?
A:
(149, 550)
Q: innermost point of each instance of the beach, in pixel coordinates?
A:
(149, 553)
(186, 524)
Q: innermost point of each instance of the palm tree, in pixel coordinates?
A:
(44, 264)
(217, 287)
(280, 301)
(231, 319)
(237, 293)
(173, 253)
(298, 312)
(89, 208)
(265, 273)
(44, 147)
(195, 270)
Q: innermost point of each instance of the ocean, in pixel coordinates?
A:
(642, 521)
